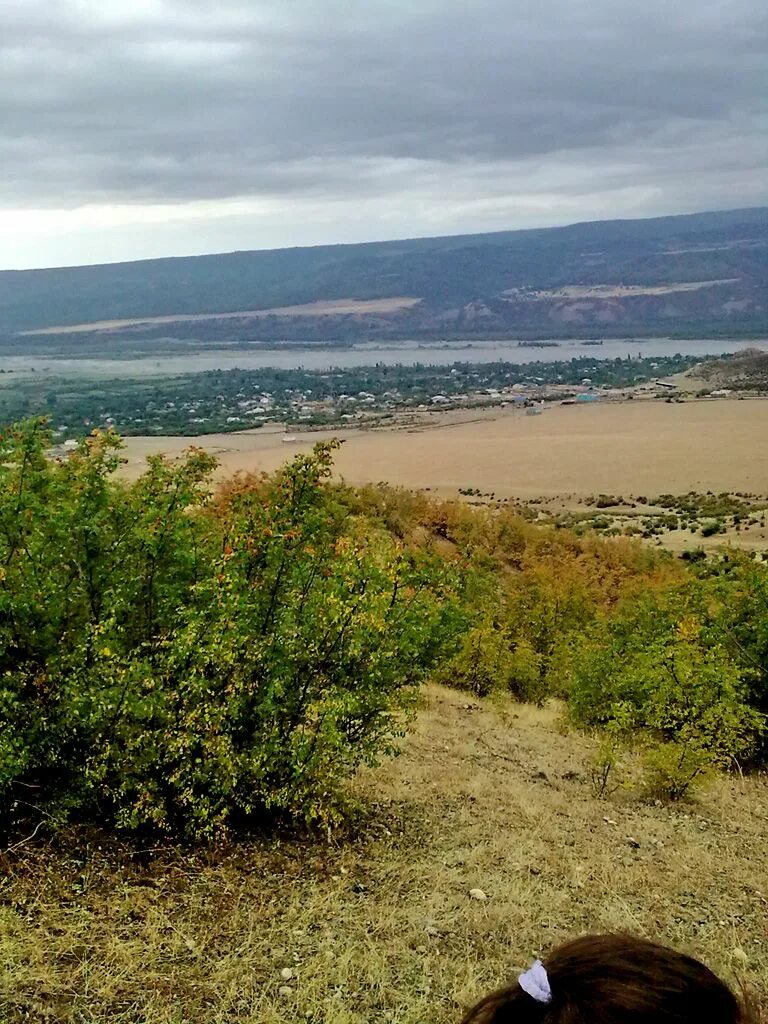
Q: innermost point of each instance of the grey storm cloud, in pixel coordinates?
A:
(456, 113)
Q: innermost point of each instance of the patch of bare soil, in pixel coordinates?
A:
(618, 291)
(330, 307)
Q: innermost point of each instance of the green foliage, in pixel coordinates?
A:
(607, 762)
(673, 769)
(711, 528)
(490, 661)
(526, 679)
(190, 662)
(482, 663)
(734, 596)
(171, 665)
(655, 677)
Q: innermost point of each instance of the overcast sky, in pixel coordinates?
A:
(133, 128)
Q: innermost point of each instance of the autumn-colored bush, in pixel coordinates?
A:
(190, 660)
(170, 667)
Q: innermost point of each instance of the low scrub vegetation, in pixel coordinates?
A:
(181, 659)
(706, 515)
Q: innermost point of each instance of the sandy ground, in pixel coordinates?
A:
(750, 538)
(638, 448)
(329, 307)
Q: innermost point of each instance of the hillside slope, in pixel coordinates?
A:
(487, 795)
(744, 371)
(703, 271)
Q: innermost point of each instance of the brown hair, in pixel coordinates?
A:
(617, 979)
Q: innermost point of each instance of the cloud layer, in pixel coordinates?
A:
(253, 122)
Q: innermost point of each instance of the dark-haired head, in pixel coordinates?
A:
(616, 979)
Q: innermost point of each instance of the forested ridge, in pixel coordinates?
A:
(451, 275)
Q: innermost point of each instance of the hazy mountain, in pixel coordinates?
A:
(703, 272)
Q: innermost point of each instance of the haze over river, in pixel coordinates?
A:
(406, 353)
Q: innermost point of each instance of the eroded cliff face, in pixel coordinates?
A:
(708, 306)
(716, 303)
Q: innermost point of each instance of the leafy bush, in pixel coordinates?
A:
(711, 528)
(673, 769)
(490, 661)
(526, 678)
(656, 677)
(694, 555)
(171, 665)
(186, 660)
(734, 593)
(482, 663)
(606, 763)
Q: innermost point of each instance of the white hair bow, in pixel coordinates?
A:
(536, 983)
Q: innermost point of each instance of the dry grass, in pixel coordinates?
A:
(379, 926)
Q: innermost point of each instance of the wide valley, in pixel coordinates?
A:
(325, 357)
(628, 447)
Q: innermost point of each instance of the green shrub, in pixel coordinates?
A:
(606, 763)
(490, 661)
(600, 523)
(169, 665)
(526, 680)
(656, 677)
(672, 770)
(187, 661)
(735, 589)
(694, 555)
(711, 528)
(482, 663)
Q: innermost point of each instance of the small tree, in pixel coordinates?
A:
(171, 665)
(482, 664)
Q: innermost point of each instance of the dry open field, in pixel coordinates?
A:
(379, 925)
(326, 307)
(639, 447)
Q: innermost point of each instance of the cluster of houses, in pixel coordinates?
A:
(252, 408)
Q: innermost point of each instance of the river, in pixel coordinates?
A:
(406, 353)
